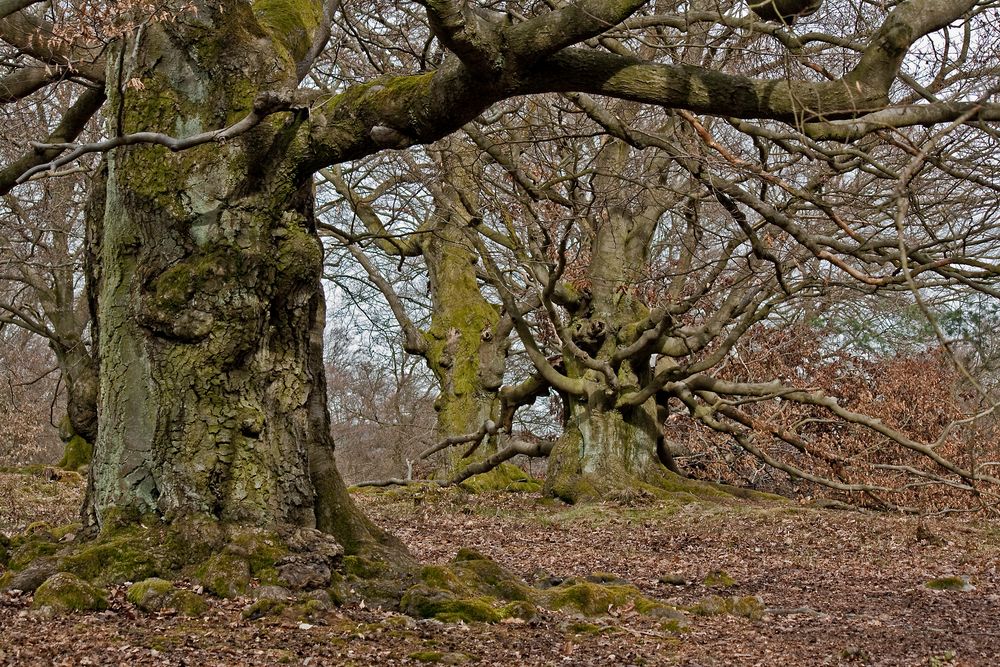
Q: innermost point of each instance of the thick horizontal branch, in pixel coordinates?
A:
(8, 7)
(548, 33)
(24, 81)
(399, 112)
(701, 90)
(533, 449)
(37, 38)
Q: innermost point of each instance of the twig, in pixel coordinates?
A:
(267, 103)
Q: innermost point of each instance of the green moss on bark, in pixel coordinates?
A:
(291, 22)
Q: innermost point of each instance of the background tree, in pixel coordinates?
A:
(465, 341)
(41, 276)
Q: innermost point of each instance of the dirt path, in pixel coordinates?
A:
(839, 587)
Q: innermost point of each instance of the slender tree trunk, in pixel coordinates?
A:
(464, 352)
(79, 429)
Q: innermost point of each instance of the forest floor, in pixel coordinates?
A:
(838, 587)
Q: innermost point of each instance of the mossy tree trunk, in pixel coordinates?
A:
(79, 428)
(212, 390)
(605, 451)
(464, 350)
(466, 344)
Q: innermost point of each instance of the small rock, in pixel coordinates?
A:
(155, 595)
(150, 594)
(303, 574)
(316, 542)
(187, 603)
(224, 574)
(278, 593)
(673, 580)
(321, 596)
(31, 577)
(67, 592)
(264, 607)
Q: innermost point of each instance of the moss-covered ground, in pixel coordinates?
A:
(515, 579)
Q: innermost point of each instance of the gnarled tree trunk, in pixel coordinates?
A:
(212, 390)
(608, 449)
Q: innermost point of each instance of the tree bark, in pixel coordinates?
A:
(212, 392)
(605, 449)
(463, 349)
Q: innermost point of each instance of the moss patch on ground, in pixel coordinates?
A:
(220, 557)
(474, 588)
(716, 605)
(598, 599)
(470, 588)
(950, 583)
(77, 454)
(718, 579)
(64, 592)
(505, 477)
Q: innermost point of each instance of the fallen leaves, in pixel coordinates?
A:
(835, 586)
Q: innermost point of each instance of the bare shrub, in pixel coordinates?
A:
(916, 391)
(28, 384)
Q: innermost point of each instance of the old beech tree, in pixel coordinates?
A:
(205, 256)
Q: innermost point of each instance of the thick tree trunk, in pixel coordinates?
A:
(212, 394)
(607, 451)
(604, 452)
